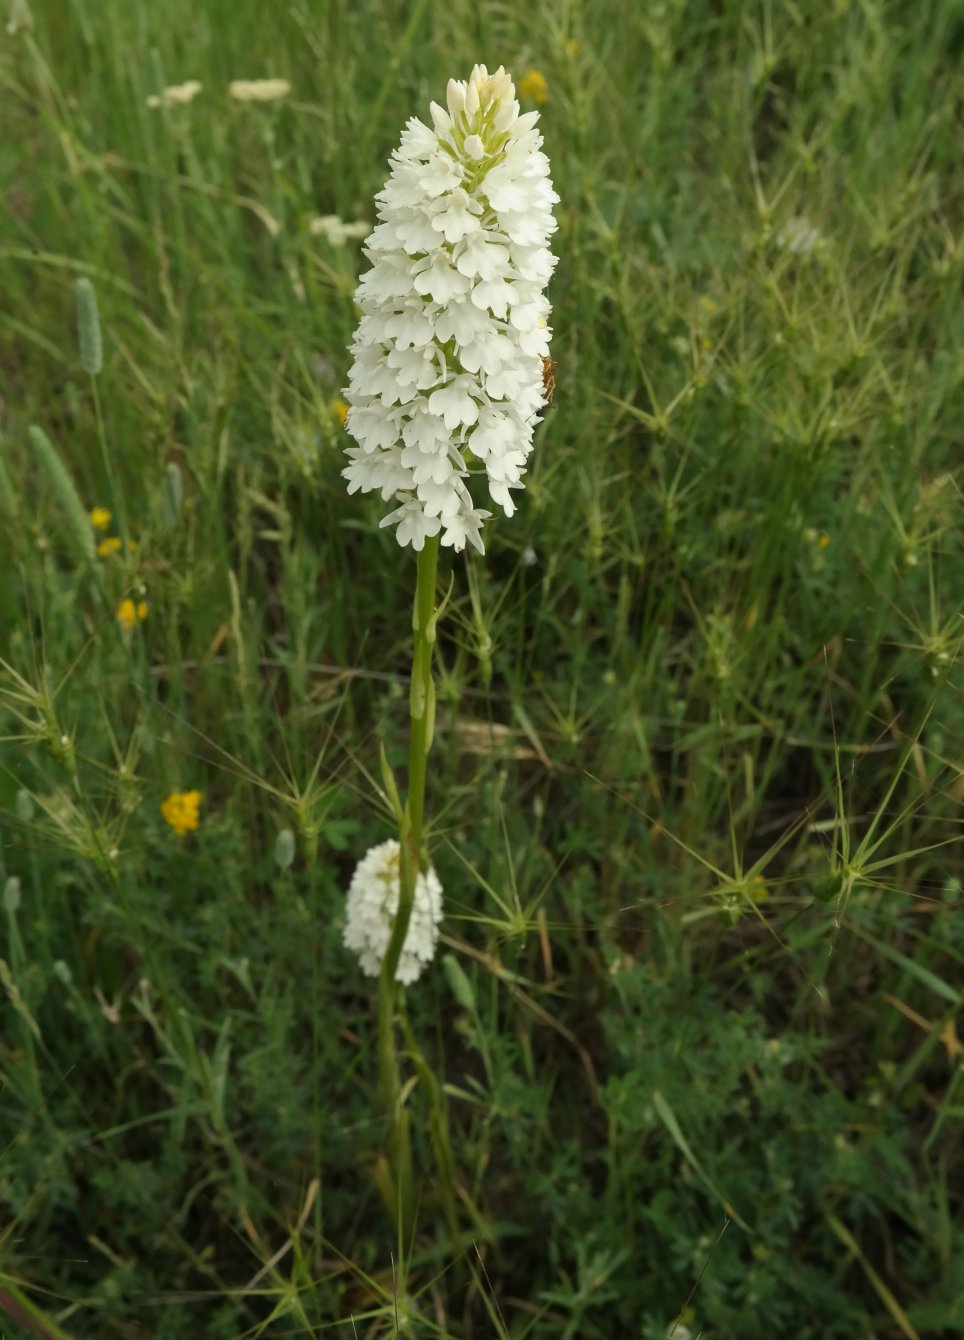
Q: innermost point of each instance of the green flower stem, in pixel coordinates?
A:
(438, 1123)
(422, 714)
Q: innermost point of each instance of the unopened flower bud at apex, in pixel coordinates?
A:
(455, 96)
(449, 350)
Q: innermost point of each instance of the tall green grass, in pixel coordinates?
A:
(697, 776)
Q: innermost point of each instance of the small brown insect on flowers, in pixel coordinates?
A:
(548, 377)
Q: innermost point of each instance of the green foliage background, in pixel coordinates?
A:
(696, 787)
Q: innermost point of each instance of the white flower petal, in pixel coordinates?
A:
(259, 90)
(454, 404)
(413, 525)
(465, 526)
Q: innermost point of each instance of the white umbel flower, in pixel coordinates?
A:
(175, 94)
(258, 90)
(372, 905)
(336, 231)
(448, 373)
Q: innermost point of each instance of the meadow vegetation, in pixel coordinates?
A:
(695, 794)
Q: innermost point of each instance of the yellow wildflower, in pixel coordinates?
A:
(757, 890)
(533, 85)
(182, 810)
(339, 409)
(112, 544)
(573, 47)
(100, 518)
(129, 614)
(819, 538)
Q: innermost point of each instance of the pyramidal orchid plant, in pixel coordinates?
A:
(445, 392)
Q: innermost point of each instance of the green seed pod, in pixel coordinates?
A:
(21, 20)
(88, 328)
(460, 985)
(11, 895)
(173, 493)
(23, 806)
(284, 849)
(62, 970)
(78, 522)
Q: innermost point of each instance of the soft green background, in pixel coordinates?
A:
(696, 788)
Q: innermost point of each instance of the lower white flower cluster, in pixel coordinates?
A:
(372, 907)
(449, 352)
